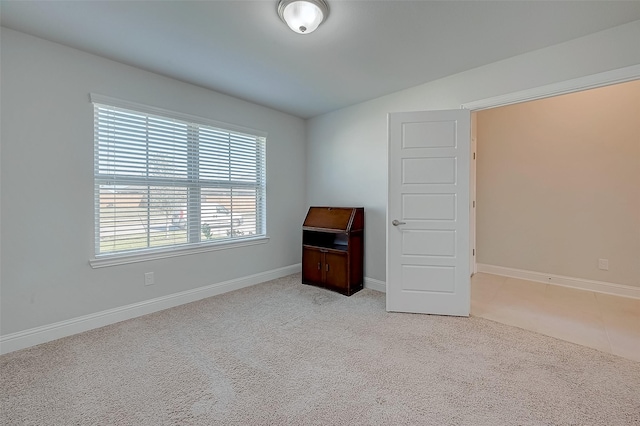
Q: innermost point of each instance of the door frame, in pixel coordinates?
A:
(593, 81)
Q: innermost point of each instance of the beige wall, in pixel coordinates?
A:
(558, 185)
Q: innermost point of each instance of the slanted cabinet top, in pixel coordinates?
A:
(337, 219)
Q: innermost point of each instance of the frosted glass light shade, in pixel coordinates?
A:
(303, 16)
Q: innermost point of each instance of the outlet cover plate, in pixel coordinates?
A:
(603, 264)
(148, 278)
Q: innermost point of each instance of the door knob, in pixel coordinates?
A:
(396, 222)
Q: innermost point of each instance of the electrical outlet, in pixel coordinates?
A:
(148, 278)
(603, 264)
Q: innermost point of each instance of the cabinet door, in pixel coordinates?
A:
(312, 265)
(336, 270)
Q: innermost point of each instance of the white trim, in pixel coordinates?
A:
(583, 83)
(376, 285)
(123, 259)
(120, 103)
(579, 283)
(35, 336)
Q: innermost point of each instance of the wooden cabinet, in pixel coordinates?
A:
(333, 248)
(324, 267)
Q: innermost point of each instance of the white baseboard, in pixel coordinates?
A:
(579, 283)
(35, 336)
(375, 284)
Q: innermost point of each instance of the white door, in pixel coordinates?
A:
(428, 212)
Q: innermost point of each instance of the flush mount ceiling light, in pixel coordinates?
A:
(303, 16)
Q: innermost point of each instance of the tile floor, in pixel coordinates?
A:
(607, 323)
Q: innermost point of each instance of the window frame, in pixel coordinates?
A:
(140, 255)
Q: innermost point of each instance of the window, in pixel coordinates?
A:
(166, 181)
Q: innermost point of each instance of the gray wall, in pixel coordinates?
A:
(347, 149)
(47, 185)
(46, 173)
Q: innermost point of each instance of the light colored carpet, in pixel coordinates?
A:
(283, 353)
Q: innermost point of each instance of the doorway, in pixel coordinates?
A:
(545, 95)
(559, 205)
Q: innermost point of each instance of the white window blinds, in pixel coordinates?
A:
(163, 182)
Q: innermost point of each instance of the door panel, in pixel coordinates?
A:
(428, 278)
(428, 170)
(440, 134)
(428, 243)
(429, 206)
(336, 269)
(428, 214)
(312, 264)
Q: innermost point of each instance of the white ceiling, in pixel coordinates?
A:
(365, 49)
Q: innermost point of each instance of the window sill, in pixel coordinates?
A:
(124, 259)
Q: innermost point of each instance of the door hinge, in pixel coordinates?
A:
(474, 252)
(474, 155)
(474, 204)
